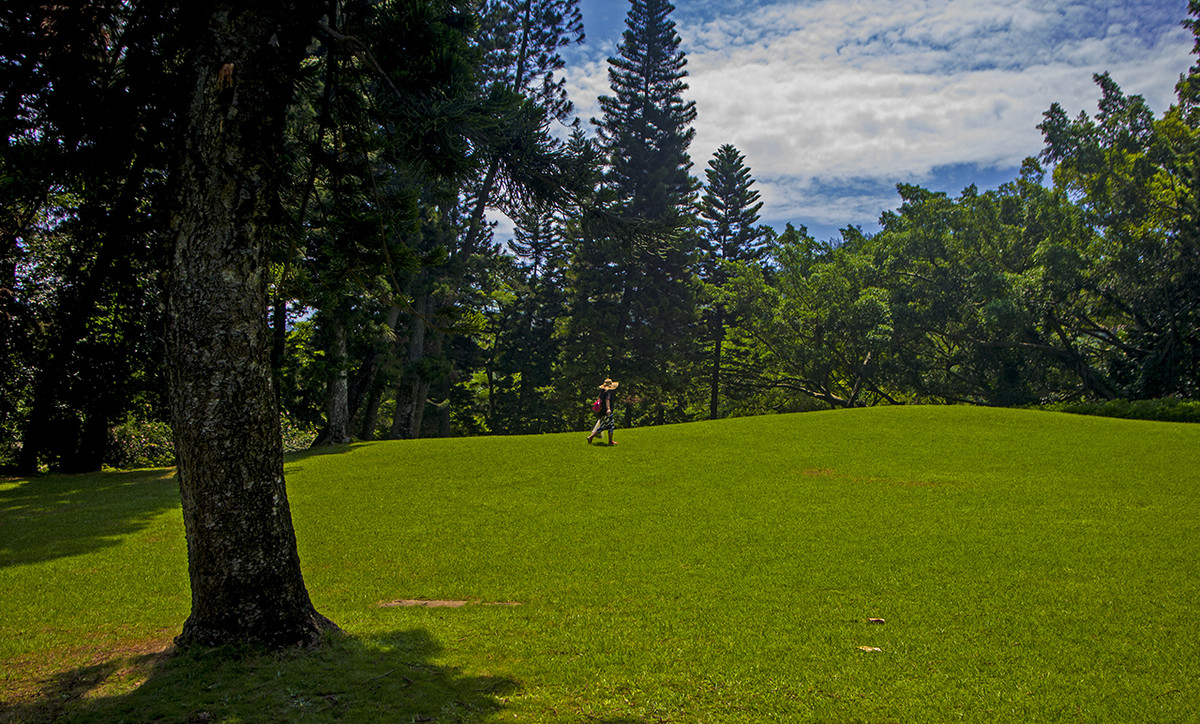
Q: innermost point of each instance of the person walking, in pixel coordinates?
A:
(605, 419)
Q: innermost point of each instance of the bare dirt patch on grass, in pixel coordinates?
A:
(427, 603)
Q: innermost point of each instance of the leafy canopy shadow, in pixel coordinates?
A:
(386, 677)
(76, 514)
(58, 516)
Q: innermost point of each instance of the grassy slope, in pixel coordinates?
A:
(1029, 566)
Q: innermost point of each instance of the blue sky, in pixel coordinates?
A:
(834, 102)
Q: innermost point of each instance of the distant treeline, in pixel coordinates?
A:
(1169, 410)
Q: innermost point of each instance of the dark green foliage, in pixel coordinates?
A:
(521, 366)
(1170, 409)
(88, 97)
(140, 444)
(646, 126)
(634, 305)
(820, 321)
(382, 139)
(729, 209)
(969, 280)
(521, 40)
(1136, 180)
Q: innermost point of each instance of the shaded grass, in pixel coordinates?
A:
(1029, 566)
(381, 677)
(88, 563)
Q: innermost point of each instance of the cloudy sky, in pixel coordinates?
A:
(833, 102)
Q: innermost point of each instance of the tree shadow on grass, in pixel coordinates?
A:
(58, 516)
(389, 677)
(320, 451)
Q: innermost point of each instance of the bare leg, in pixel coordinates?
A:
(595, 430)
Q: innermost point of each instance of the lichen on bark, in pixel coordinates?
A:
(243, 564)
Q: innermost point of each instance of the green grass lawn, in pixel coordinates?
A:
(1028, 566)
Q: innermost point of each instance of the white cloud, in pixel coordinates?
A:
(890, 90)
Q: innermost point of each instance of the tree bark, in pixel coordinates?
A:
(433, 349)
(714, 401)
(366, 385)
(337, 408)
(242, 559)
(370, 418)
(443, 407)
(410, 397)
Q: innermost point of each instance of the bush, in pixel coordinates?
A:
(10, 450)
(140, 444)
(148, 444)
(296, 435)
(1168, 409)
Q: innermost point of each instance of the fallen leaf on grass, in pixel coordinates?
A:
(869, 648)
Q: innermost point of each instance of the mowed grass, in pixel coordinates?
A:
(1027, 566)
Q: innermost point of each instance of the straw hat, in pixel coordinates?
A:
(609, 385)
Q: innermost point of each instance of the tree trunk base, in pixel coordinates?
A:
(305, 630)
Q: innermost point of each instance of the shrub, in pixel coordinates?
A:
(296, 435)
(1167, 409)
(140, 444)
(149, 444)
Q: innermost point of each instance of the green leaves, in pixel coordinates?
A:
(1135, 178)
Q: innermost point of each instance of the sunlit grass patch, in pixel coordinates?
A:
(1026, 566)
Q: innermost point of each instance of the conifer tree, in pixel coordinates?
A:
(516, 162)
(527, 349)
(646, 128)
(731, 233)
(521, 40)
(730, 207)
(636, 303)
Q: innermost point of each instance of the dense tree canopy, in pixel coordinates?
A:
(86, 116)
(396, 310)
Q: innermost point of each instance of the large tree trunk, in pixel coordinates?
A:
(9, 312)
(420, 402)
(242, 559)
(433, 350)
(337, 408)
(714, 402)
(363, 417)
(445, 389)
(410, 396)
(370, 417)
